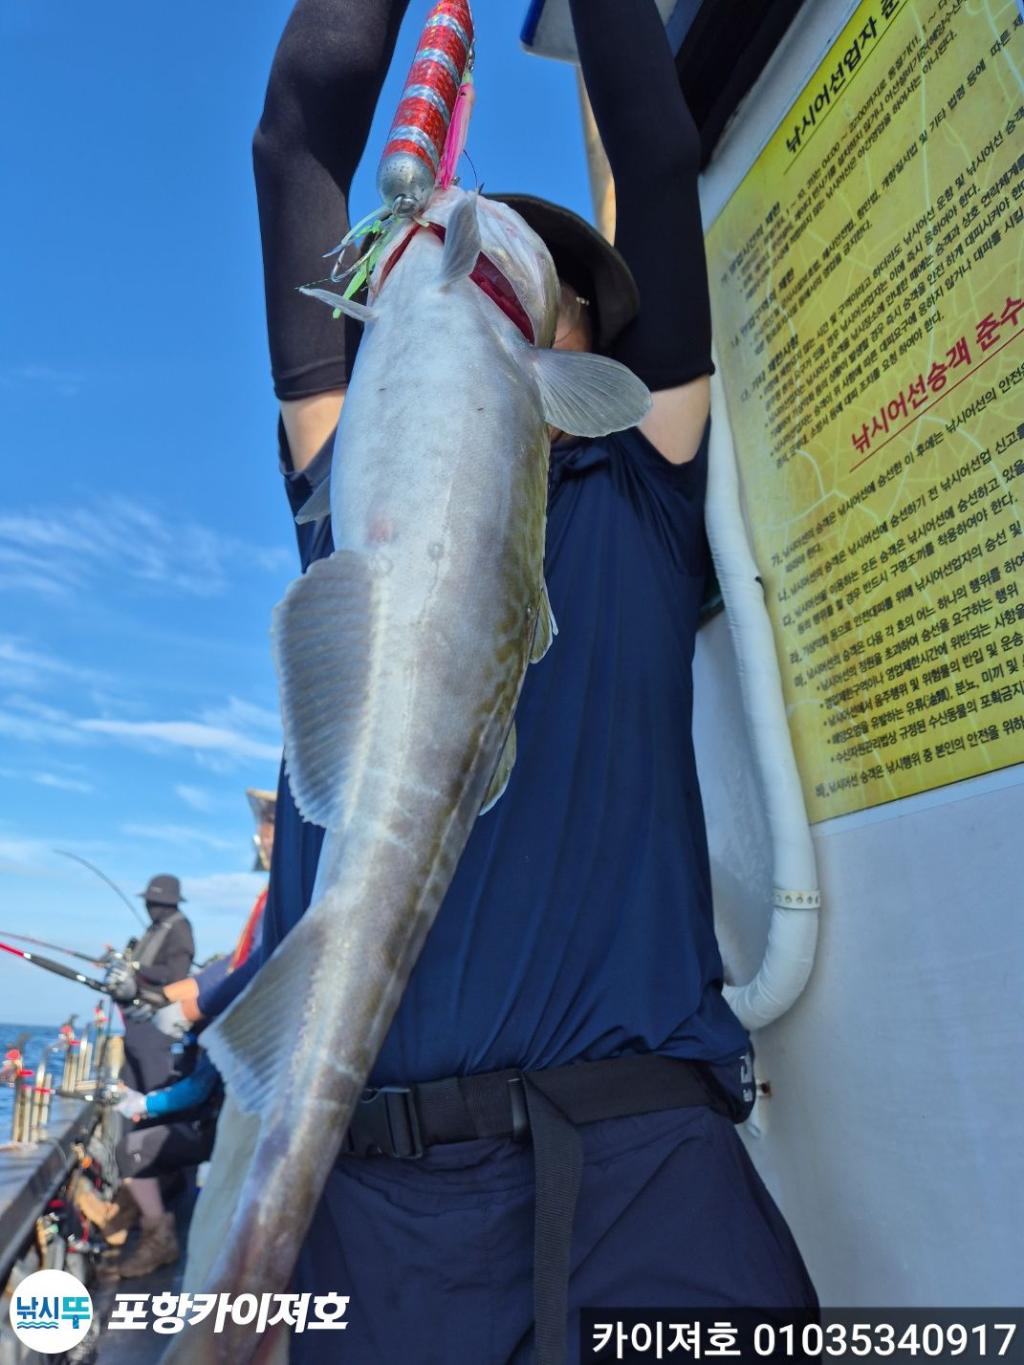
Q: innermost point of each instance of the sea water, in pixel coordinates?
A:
(40, 1037)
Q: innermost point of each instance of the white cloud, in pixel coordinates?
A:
(29, 855)
(219, 737)
(243, 714)
(65, 784)
(40, 710)
(22, 665)
(185, 734)
(67, 780)
(223, 893)
(59, 552)
(35, 730)
(23, 855)
(23, 572)
(196, 798)
(178, 835)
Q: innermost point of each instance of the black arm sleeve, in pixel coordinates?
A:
(653, 149)
(324, 83)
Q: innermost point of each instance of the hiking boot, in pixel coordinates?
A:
(157, 1246)
(112, 1218)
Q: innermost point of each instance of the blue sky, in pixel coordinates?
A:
(143, 533)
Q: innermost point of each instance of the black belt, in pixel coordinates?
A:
(543, 1106)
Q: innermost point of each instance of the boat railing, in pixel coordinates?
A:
(86, 1074)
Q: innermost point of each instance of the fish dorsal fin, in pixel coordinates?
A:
(546, 628)
(359, 311)
(323, 639)
(502, 772)
(317, 505)
(461, 242)
(585, 394)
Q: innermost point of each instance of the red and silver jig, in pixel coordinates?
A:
(440, 77)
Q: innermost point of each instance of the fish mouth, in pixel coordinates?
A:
(485, 275)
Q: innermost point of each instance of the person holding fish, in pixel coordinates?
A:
(511, 1023)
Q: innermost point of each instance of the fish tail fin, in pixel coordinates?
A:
(462, 244)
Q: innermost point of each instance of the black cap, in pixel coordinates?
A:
(586, 260)
(163, 890)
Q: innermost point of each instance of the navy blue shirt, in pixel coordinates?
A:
(579, 922)
(209, 980)
(219, 985)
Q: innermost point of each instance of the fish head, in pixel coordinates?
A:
(514, 256)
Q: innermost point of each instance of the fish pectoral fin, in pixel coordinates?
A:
(359, 311)
(248, 1042)
(317, 506)
(322, 636)
(462, 244)
(545, 629)
(502, 772)
(588, 395)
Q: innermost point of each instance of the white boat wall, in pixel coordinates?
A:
(891, 1135)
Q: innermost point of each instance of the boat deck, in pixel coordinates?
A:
(30, 1175)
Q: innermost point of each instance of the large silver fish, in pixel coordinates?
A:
(400, 661)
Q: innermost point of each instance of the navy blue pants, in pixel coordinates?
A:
(148, 1063)
(437, 1254)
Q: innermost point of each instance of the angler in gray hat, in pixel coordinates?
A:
(164, 953)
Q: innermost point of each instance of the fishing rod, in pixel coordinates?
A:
(143, 995)
(75, 857)
(58, 968)
(57, 948)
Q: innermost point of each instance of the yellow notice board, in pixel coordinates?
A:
(867, 284)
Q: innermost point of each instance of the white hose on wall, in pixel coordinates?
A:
(793, 932)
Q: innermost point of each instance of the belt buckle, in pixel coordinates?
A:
(520, 1112)
(385, 1123)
